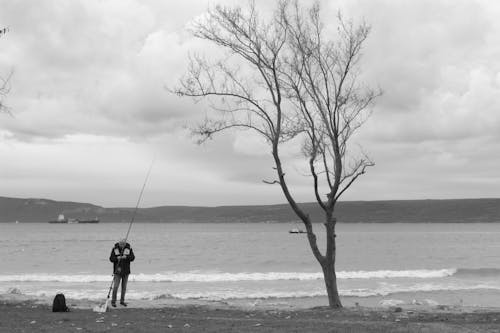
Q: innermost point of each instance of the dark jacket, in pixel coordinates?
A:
(121, 266)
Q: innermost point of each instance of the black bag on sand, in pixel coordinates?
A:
(59, 304)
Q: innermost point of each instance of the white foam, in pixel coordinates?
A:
(226, 277)
(241, 293)
(229, 277)
(391, 302)
(215, 295)
(385, 274)
(386, 290)
(43, 277)
(219, 295)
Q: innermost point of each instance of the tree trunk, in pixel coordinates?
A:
(331, 285)
(328, 265)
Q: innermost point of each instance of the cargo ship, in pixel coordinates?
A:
(62, 219)
(94, 220)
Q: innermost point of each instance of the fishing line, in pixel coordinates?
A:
(139, 200)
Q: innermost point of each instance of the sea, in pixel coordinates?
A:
(256, 264)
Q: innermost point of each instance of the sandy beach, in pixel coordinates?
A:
(34, 316)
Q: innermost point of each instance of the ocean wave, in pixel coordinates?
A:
(159, 296)
(235, 294)
(43, 277)
(385, 274)
(304, 293)
(229, 277)
(420, 287)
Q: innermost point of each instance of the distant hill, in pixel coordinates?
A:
(403, 211)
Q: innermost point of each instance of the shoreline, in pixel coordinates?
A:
(17, 315)
(463, 299)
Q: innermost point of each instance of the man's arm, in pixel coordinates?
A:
(113, 257)
(131, 256)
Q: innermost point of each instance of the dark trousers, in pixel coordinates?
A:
(116, 283)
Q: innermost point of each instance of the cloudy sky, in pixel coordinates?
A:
(90, 110)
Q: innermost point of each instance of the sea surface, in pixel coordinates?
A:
(251, 263)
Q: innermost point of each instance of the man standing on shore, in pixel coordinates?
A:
(121, 256)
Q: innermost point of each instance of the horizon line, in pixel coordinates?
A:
(251, 205)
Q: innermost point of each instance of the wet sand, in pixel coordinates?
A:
(28, 316)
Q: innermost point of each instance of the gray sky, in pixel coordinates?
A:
(90, 110)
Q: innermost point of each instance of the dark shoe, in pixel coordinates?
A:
(123, 303)
(113, 304)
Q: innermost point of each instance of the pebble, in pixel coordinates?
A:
(33, 322)
(257, 325)
(169, 326)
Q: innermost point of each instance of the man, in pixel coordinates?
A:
(121, 256)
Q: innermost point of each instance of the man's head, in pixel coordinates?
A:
(122, 243)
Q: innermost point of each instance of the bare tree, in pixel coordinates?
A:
(4, 83)
(4, 90)
(284, 79)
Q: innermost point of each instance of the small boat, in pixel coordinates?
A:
(296, 231)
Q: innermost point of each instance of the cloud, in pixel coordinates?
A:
(437, 69)
(89, 93)
(103, 64)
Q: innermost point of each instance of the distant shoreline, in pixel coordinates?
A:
(394, 211)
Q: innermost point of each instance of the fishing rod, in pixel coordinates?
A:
(139, 200)
(105, 306)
